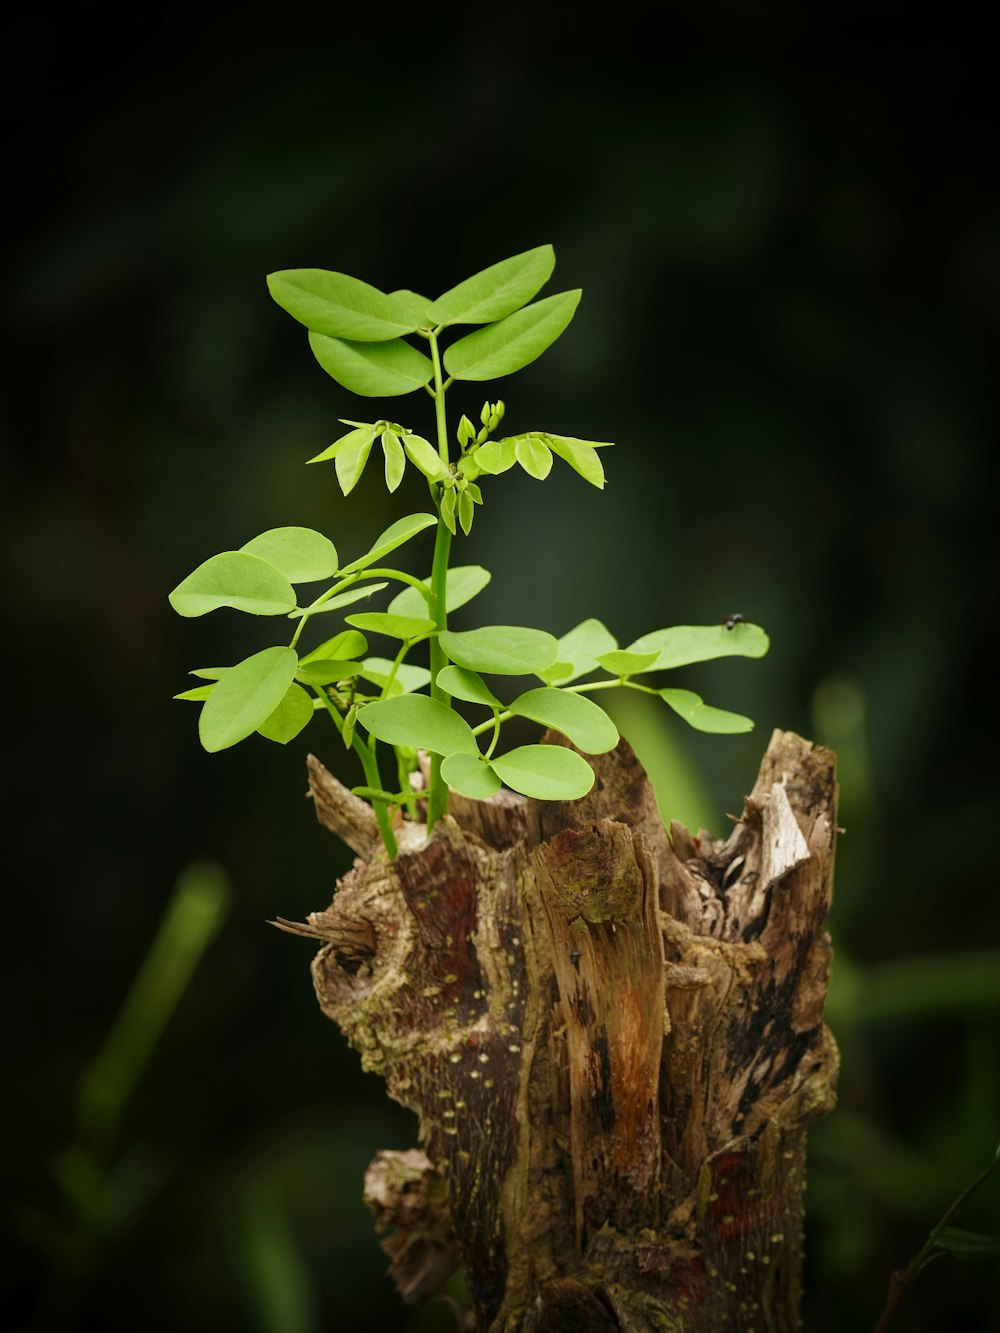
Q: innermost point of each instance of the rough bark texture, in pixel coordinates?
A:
(613, 1039)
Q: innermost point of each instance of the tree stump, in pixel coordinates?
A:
(613, 1039)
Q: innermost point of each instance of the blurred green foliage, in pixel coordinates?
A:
(791, 281)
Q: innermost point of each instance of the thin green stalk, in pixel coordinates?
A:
(370, 765)
(437, 799)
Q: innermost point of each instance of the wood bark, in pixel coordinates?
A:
(613, 1039)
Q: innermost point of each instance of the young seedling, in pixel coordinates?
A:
(382, 345)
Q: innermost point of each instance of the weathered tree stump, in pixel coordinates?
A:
(613, 1039)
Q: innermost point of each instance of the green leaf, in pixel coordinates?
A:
(503, 650)
(237, 579)
(466, 511)
(198, 695)
(471, 776)
(407, 678)
(683, 644)
(395, 459)
(373, 370)
(245, 697)
(503, 348)
(420, 722)
(335, 603)
(496, 456)
(467, 685)
(585, 723)
(396, 627)
(579, 650)
(533, 456)
(581, 455)
(394, 536)
(623, 662)
(448, 509)
(288, 719)
(497, 291)
(352, 461)
(328, 672)
(546, 772)
(417, 308)
(424, 456)
(702, 716)
(962, 1244)
(347, 644)
(210, 673)
(463, 583)
(342, 307)
(301, 554)
(353, 440)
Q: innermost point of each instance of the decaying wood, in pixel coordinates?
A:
(614, 1043)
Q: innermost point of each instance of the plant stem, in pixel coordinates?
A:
(370, 765)
(437, 799)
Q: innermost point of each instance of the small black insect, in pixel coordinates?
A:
(733, 620)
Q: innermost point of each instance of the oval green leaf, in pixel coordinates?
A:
(497, 291)
(503, 348)
(237, 579)
(683, 644)
(347, 644)
(585, 723)
(533, 456)
(424, 456)
(463, 684)
(342, 307)
(463, 583)
(579, 649)
(702, 716)
(496, 456)
(470, 776)
(395, 459)
(420, 722)
(245, 697)
(394, 536)
(407, 678)
(352, 461)
(354, 439)
(301, 554)
(373, 370)
(581, 455)
(503, 650)
(396, 627)
(546, 772)
(335, 603)
(326, 672)
(293, 713)
(198, 695)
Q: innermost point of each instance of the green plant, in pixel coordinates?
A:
(359, 335)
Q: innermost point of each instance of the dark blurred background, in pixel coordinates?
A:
(785, 223)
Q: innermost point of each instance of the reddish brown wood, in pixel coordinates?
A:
(613, 1040)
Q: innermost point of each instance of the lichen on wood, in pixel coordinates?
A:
(613, 1040)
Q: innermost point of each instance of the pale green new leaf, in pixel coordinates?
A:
(702, 716)
(237, 579)
(425, 457)
(289, 718)
(302, 554)
(585, 723)
(581, 455)
(579, 650)
(198, 695)
(245, 697)
(351, 461)
(497, 291)
(395, 459)
(335, 603)
(347, 644)
(419, 722)
(344, 307)
(463, 684)
(546, 772)
(533, 456)
(373, 370)
(466, 511)
(463, 583)
(683, 644)
(394, 536)
(395, 627)
(407, 678)
(514, 342)
(503, 650)
(496, 456)
(625, 662)
(354, 439)
(470, 776)
(209, 673)
(448, 509)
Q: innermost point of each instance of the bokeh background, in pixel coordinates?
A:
(785, 224)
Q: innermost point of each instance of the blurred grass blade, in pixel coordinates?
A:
(191, 921)
(280, 1287)
(910, 987)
